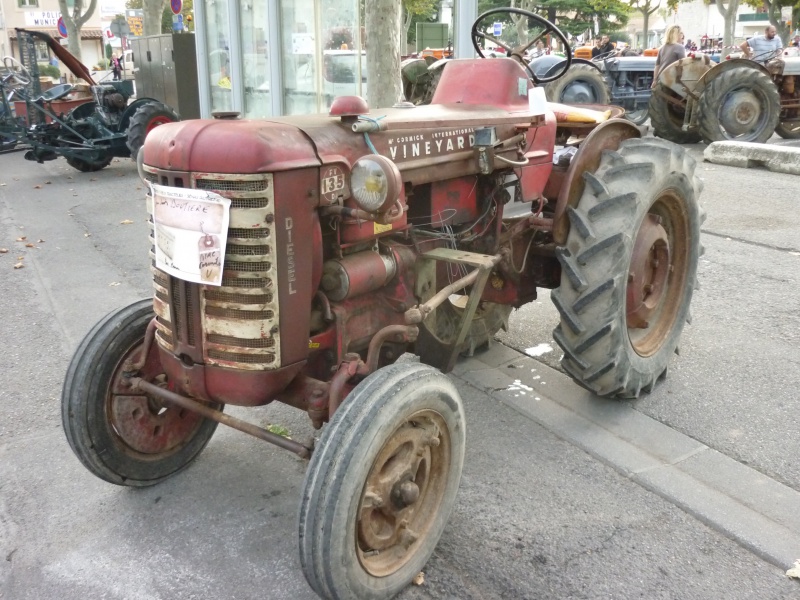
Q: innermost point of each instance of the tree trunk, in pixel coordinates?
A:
(383, 53)
(407, 18)
(73, 21)
(151, 23)
(729, 16)
(774, 12)
(646, 27)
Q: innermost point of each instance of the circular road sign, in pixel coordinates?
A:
(176, 6)
(62, 28)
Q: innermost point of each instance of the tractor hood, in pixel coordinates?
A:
(228, 146)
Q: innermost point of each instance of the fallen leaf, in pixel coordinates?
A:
(18, 265)
(2, 184)
(120, 174)
(126, 222)
(29, 245)
(74, 194)
(20, 258)
(39, 241)
(47, 182)
(22, 238)
(419, 578)
(86, 234)
(3, 250)
(37, 187)
(15, 178)
(69, 176)
(113, 284)
(93, 179)
(795, 570)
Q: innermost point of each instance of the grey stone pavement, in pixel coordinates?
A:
(563, 495)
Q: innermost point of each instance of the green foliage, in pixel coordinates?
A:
(102, 64)
(109, 51)
(573, 17)
(48, 70)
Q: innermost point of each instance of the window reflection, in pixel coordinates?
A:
(219, 58)
(255, 25)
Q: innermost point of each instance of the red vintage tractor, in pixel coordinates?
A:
(296, 258)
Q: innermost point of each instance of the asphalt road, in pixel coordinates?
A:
(548, 507)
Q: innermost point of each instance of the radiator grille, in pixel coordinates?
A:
(232, 334)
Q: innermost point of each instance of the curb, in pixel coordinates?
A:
(774, 157)
(757, 512)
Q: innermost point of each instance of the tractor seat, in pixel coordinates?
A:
(55, 93)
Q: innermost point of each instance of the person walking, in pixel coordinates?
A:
(116, 67)
(671, 51)
(761, 48)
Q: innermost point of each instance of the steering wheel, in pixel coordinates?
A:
(604, 55)
(481, 26)
(768, 55)
(23, 77)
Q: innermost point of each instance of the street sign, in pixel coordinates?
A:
(119, 27)
(177, 22)
(498, 29)
(62, 27)
(176, 6)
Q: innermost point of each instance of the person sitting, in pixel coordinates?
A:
(603, 46)
(761, 48)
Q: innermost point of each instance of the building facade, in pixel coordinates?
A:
(43, 15)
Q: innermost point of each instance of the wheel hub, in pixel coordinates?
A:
(740, 112)
(401, 493)
(145, 425)
(579, 92)
(649, 270)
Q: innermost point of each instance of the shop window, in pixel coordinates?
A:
(321, 45)
(28, 3)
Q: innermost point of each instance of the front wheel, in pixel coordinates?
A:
(742, 105)
(119, 434)
(638, 116)
(582, 84)
(629, 268)
(144, 120)
(382, 483)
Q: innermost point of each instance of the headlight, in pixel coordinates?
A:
(375, 182)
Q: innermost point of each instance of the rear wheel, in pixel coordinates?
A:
(666, 111)
(119, 434)
(144, 120)
(742, 104)
(637, 117)
(582, 84)
(629, 268)
(381, 484)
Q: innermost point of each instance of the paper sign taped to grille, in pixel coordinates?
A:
(190, 230)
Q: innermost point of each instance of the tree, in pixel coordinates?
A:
(729, 17)
(153, 11)
(647, 8)
(74, 21)
(421, 9)
(573, 17)
(774, 15)
(164, 23)
(382, 20)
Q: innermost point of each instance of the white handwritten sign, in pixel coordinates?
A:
(191, 230)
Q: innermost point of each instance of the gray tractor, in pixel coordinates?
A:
(607, 79)
(739, 99)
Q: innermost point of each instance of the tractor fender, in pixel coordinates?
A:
(606, 136)
(719, 69)
(683, 75)
(130, 110)
(549, 64)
